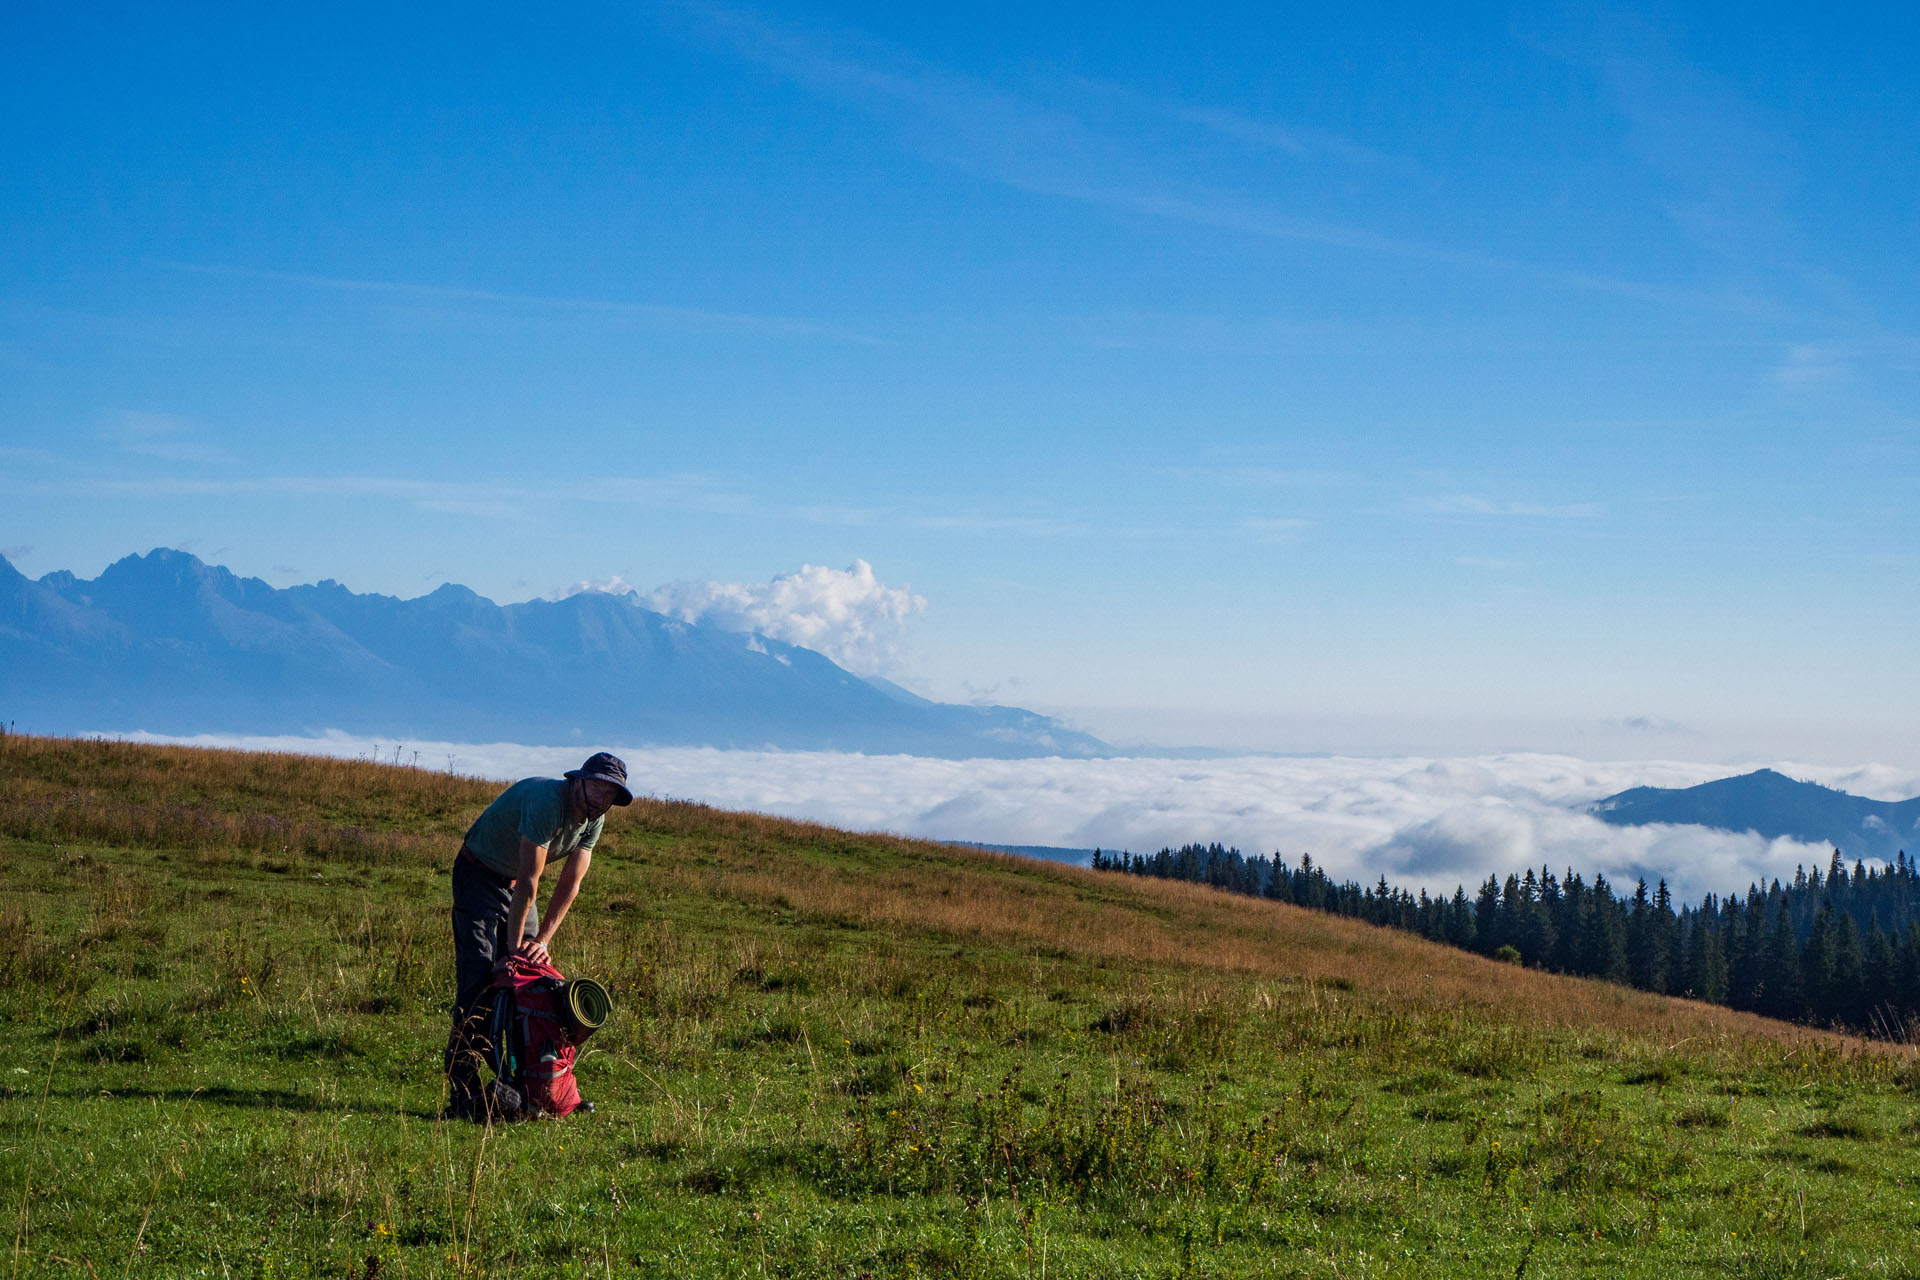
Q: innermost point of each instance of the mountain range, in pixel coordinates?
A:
(167, 643)
(1774, 805)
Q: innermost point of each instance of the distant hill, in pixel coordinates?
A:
(1775, 805)
(167, 643)
(1045, 852)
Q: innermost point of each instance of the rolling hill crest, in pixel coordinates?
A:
(1773, 805)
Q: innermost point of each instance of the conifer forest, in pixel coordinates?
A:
(1839, 948)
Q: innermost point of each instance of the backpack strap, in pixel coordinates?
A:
(503, 1035)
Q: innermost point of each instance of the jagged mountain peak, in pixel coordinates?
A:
(168, 643)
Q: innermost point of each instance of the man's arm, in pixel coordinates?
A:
(526, 887)
(572, 872)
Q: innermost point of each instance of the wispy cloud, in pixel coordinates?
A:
(1729, 168)
(1304, 142)
(1657, 725)
(1809, 364)
(164, 437)
(1269, 477)
(1030, 526)
(1275, 528)
(1012, 139)
(1471, 506)
(29, 455)
(490, 498)
(520, 500)
(664, 315)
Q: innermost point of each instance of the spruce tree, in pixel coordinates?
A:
(1818, 966)
(1879, 973)
(1706, 959)
(1847, 1001)
(1567, 922)
(1489, 930)
(1603, 941)
(1781, 994)
(1536, 927)
(1460, 925)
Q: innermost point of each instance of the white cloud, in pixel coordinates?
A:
(491, 498)
(1275, 528)
(663, 315)
(1807, 365)
(1075, 149)
(847, 614)
(1656, 725)
(1422, 822)
(164, 436)
(1458, 506)
(613, 586)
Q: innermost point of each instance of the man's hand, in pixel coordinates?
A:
(533, 949)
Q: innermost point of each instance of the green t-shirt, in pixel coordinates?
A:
(537, 809)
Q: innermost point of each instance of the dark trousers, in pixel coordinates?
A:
(480, 902)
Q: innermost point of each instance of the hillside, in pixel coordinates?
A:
(839, 1054)
(1774, 805)
(172, 645)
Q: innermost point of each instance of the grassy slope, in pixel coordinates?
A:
(835, 1054)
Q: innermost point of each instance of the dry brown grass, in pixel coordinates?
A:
(111, 792)
(56, 790)
(1168, 924)
(909, 885)
(919, 886)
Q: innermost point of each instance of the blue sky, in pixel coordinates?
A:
(1354, 380)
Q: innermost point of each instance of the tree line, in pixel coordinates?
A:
(1839, 948)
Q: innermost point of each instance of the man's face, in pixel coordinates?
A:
(597, 796)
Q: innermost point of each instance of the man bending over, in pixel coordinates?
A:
(495, 880)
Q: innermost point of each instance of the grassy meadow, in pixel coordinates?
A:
(225, 981)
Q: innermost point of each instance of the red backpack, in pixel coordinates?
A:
(533, 1036)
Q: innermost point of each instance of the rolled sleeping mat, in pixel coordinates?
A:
(587, 1004)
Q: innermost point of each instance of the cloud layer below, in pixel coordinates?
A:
(1426, 822)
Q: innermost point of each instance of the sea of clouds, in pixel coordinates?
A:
(1421, 822)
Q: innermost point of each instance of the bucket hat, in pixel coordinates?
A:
(606, 767)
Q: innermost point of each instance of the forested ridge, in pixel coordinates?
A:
(1838, 948)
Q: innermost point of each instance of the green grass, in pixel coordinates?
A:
(837, 1055)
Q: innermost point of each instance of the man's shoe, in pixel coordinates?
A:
(584, 1109)
(504, 1102)
(461, 1109)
